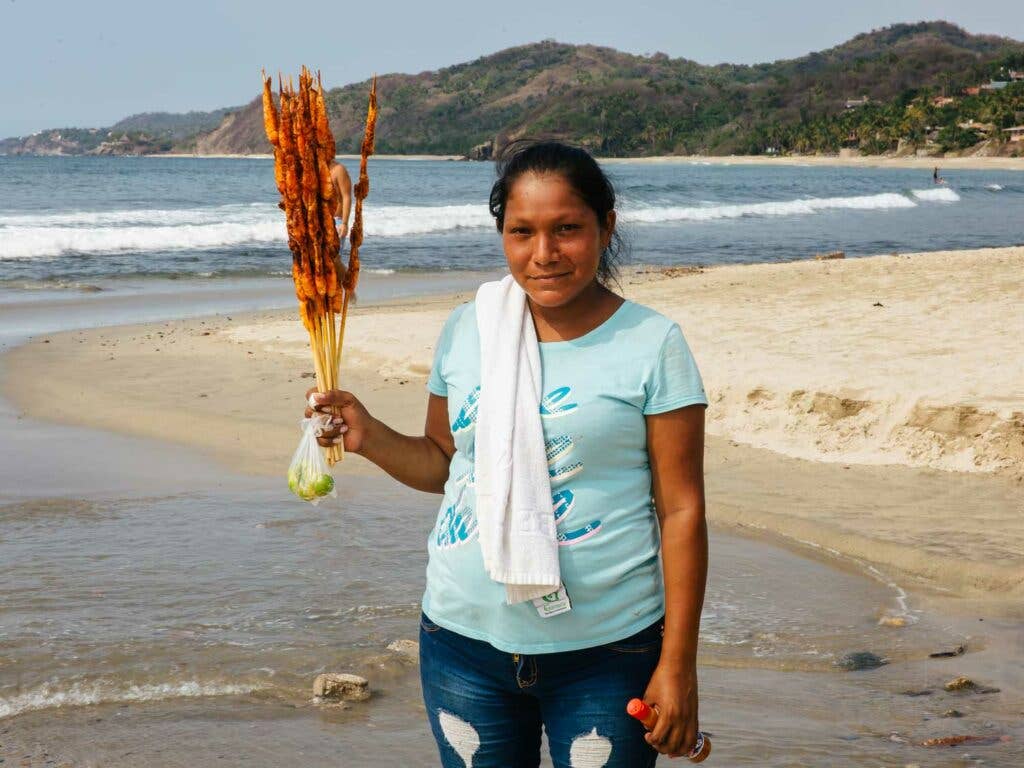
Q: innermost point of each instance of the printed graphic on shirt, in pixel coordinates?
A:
(456, 526)
(575, 536)
(467, 414)
(558, 447)
(563, 502)
(561, 467)
(554, 406)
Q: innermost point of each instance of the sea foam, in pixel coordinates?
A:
(83, 694)
(799, 207)
(937, 195)
(261, 225)
(24, 236)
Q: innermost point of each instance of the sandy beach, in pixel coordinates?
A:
(887, 391)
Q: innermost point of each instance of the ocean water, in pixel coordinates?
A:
(84, 222)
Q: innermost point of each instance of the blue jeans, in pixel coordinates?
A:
(486, 707)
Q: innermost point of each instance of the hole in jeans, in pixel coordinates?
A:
(461, 735)
(590, 750)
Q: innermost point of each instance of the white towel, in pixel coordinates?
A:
(513, 489)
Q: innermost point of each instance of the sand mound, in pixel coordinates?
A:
(839, 427)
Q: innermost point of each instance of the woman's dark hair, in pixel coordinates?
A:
(578, 168)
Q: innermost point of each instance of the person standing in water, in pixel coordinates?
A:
(343, 197)
(621, 409)
(936, 178)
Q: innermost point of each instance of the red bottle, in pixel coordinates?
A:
(648, 717)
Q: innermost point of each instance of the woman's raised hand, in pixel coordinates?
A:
(350, 419)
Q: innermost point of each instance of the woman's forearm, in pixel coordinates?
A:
(417, 462)
(684, 553)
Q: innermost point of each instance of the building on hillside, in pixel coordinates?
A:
(982, 128)
(995, 85)
(1014, 134)
(943, 101)
(854, 103)
(1013, 74)
(973, 90)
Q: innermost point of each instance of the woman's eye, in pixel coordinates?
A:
(519, 231)
(568, 227)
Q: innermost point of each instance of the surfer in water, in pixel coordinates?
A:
(936, 178)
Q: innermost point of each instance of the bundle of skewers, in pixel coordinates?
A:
(304, 148)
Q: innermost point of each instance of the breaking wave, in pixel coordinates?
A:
(42, 242)
(800, 207)
(102, 692)
(25, 236)
(261, 225)
(937, 195)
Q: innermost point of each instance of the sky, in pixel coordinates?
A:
(88, 64)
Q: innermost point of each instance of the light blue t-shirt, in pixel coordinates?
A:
(596, 391)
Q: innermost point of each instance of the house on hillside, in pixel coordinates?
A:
(1015, 75)
(1015, 134)
(854, 103)
(982, 128)
(943, 101)
(995, 85)
(973, 90)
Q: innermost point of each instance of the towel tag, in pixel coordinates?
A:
(553, 604)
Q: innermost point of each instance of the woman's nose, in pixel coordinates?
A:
(546, 249)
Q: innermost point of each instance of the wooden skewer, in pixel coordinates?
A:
(300, 135)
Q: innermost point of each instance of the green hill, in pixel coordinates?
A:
(175, 125)
(621, 104)
(141, 134)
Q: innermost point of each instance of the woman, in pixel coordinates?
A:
(623, 421)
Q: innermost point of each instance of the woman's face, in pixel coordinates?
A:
(552, 239)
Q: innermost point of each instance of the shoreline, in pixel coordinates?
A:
(854, 161)
(268, 156)
(224, 386)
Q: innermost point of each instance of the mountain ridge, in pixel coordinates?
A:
(622, 104)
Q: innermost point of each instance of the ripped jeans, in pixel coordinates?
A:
(486, 707)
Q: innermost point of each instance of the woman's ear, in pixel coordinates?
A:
(608, 229)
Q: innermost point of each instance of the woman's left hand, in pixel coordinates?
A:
(673, 691)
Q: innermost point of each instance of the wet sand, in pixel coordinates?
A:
(131, 664)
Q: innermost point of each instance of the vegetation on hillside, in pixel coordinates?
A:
(620, 104)
(173, 125)
(142, 134)
(952, 117)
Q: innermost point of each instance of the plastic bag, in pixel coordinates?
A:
(309, 477)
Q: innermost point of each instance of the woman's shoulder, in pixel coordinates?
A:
(463, 313)
(460, 320)
(647, 323)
